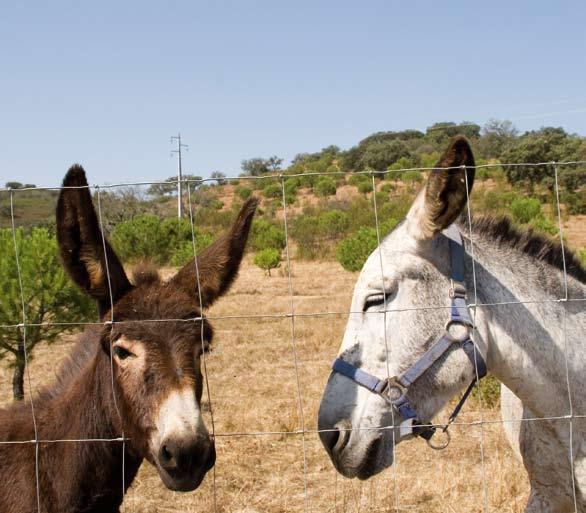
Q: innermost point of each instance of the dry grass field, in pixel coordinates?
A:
(253, 386)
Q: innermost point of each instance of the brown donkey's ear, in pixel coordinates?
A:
(445, 194)
(218, 264)
(81, 245)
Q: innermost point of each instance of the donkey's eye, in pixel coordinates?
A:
(372, 301)
(376, 300)
(122, 353)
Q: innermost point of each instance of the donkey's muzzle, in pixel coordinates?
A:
(185, 462)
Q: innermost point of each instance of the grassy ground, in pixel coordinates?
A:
(254, 389)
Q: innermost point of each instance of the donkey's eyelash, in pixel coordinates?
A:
(377, 300)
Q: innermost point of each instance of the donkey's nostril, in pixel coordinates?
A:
(168, 456)
(330, 438)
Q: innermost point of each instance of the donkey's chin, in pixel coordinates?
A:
(184, 483)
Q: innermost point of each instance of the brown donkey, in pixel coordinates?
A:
(142, 379)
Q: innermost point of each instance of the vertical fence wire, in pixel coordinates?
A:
(110, 352)
(294, 343)
(202, 337)
(564, 306)
(475, 349)
(563, 301)
(25, 352)
(387, 350)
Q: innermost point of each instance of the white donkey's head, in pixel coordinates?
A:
(406, 276)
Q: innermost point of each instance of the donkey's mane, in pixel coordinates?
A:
(501, 230)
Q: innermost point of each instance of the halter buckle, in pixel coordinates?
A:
(394, 390)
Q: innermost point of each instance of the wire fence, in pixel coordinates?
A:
(303, 431)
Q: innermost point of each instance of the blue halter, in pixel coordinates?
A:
(394, 390)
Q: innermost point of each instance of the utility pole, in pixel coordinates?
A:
(179, 175)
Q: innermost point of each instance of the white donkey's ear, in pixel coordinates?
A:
(444, 196)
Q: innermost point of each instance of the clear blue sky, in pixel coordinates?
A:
(107, 83)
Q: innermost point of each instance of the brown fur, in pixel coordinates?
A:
(82, 403)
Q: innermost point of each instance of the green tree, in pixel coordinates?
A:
(259, 166)
(49, 298)
(265, 234)
(547, 144)
(267, 259)
(169, 186)
(219, 177)
(380, 156)
(497, 136)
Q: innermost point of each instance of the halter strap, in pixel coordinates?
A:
(394, 390)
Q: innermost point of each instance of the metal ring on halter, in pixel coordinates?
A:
(394, 390)
(464, 337)
(442, 445)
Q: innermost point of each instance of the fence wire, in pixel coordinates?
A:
(303, 431)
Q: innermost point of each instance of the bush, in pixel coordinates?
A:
(356, 180)
(544, 225)
(412, 177)
(266, 235)
(184, 252)
(332, 224)
(387, 188)
(325, 186)
(365, 187)
(524, 210)
(354, 250)
(150, 238)
(272, 191)
(268, 259)
(575, 203)
(243, 192)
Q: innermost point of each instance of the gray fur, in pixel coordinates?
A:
(529, 345)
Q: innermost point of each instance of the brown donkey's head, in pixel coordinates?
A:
(156, 365)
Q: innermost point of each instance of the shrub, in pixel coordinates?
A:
(325, 186)
(243, 192)
(353, 251)
(575, 203)
(387, 188)
(266, 235)
(356, 180)
(148, 237)
(524, 210)
(291, 186)
(272, 191)
(184, 252)
(332, 224)
(268, 259)
(365, 187)
(544, 225)
(412, 177)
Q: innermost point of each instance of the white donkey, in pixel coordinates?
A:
(529, 327)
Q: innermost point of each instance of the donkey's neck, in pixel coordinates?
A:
(522, 325)
(92, 477)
